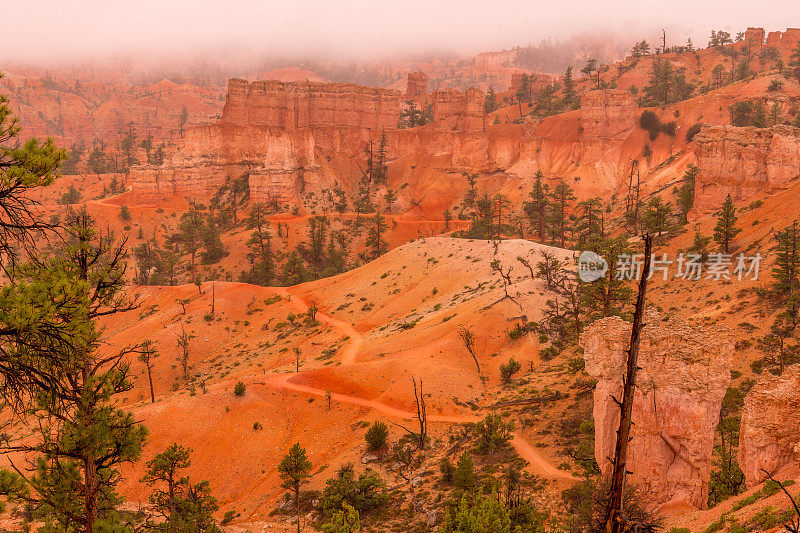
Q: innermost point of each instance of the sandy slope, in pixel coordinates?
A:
(367, 367)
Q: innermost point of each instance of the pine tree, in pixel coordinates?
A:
(570, 100)
(589, 221)
(793, 66)
(657, 217)
(260, 257)
(786, 272)
(97, 161)
(80, 436)
(182, 506)
(380, 173)
(685, 192)
(294, 470)
(214, 250)
(490, 103)
(536, 208)
(313, 250)
(375, 242)
(146, 355)
(294, 270)
(560, 201)
(726, 229)
(190, 230)
(607, 296)
(464, 476)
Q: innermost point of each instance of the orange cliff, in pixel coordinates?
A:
(684, 373)
(745, 162)
(296, 138)
(296, 105)
(268, 129)
(770, 432)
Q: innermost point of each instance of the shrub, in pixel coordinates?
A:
(228, 518)
(508, 370)
(649, 121)
(239, 389)
(464, 476)
(493, 433)
(693, 130)
(447, 470)
(670, 128)
(775, 85)
(376, 436)
(364, 493)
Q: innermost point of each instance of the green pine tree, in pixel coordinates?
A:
(294, 470)
(182, 505)
(786, 272)
(726, 230)
(63, 386)
(536, 208)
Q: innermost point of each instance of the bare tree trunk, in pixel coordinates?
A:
(150, 379)
(614, 521)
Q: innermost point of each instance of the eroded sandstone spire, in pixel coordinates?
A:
(685, 370)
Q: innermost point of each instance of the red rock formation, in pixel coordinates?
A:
(754, 38)
(536, 81)
(457, 111)
(786, 41)
(790, 39)
(417, 88)
(608, 115)
(487, 60)
(295, 105)
(685, 370)
(279, 164)
(744, 162)
(770, 432)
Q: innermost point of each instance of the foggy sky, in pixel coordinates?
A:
(53, 30)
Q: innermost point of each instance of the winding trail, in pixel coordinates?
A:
(537, 463)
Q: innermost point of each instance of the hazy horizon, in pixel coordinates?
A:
(51, 31)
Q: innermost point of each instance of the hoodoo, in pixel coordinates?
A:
(685, 370)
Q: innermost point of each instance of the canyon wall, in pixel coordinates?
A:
(744, 162)
(595, 144)
(457, 111)
(684, 372)
(296, 105)
(280, 164)
(769, 437)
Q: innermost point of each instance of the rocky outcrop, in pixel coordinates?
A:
(754, 38)
(744, 162)
(280, 164)
(296, 105)
(457, 111)
(685, 370)
(417, 88)
(608, 115)
(785, 41)
(770, 432)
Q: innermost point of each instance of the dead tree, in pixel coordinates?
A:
(793, 526)
(505, 276)
(409, 462)
(614, 520)
(468, 338)
(146, 354)
(183, 358)
(422, 415)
